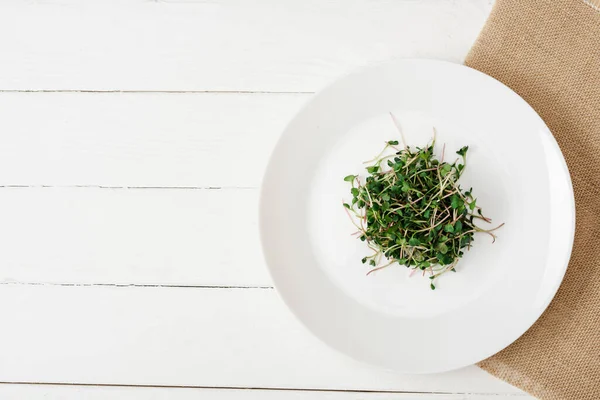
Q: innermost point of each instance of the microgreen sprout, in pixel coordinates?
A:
(410, 209)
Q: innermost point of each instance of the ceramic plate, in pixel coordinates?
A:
(389, 318)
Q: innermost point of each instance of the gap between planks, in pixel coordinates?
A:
(113, 91)
(274, 389)
(131, 285)
(128, 187)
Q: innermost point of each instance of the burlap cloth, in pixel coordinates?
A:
(548, 51)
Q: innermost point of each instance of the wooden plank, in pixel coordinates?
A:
(142, 139)
(221, 45)
(131, 236)
(186, 337)
(57, 392)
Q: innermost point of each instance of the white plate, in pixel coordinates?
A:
(388, 318)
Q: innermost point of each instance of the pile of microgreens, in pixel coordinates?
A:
(411, 210)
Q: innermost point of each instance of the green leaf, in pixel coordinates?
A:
(372, 169)
(350, 178)
(347, 205)
(446, 168)
(393, 142)
(444, 259)
(354, 191)
(442, 248)
(455, 201)
(458, 227)
(465, 240)
(372, 262)
(432, 286)
(449, 228)
(472, 205)
(414, 242)
(463, 151)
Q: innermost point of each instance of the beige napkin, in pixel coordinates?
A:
(548, 51)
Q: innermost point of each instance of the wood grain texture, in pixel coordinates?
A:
(140, 139)
(57, 392)
(186, 336)
(222, 45)
(134, 236)
(75, 233)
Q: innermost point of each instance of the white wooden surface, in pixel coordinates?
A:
(133, 137)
